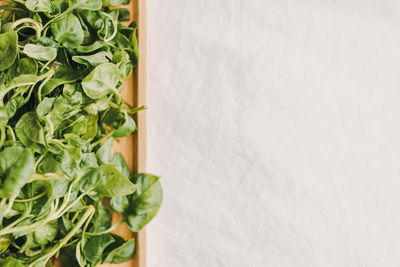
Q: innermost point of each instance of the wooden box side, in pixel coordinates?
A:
(133, 147)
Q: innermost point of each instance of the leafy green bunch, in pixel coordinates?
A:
(62, 65)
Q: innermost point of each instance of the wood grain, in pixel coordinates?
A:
(134, 147)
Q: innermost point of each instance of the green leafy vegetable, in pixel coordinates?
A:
(8, 49)
(121, 253)
(145, 203)
(68, 31)
(62, 65)
(101, 81)
(39, 52)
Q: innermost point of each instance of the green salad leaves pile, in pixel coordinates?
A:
(62, 64)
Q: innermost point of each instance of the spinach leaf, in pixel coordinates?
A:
(90, 48)
(95, 59)
(39, 5)
(115, 2)
(122, 122)
(5, 242)
(11, 262)
(26, 66)
(85, 4)
(101, 81)
(29, 130)
(16, 166)
(106, 155)
(95, 246)
(121, 253)
(145, 203)
(8, 49)
(68, 31)
(119, 204)
(39, 52)
(108, 181)
(46, 233)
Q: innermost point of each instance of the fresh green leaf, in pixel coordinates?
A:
(39, 5)
(121, 253)
(40, 52)
(16, 166)
(68, 31)
(108, 181)
(8, 49)
(95, 59)
(145, 203)
(11, 262)
(101, 81)
(95, 246)
(115, 2)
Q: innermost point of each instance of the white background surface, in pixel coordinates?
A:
(275, 126)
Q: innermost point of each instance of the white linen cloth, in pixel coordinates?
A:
(275, 126)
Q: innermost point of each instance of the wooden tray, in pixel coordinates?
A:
(134, 147)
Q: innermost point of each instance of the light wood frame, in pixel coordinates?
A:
(134, 147)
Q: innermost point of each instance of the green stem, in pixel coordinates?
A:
(136, 110)
(32, 198)
(11, 131)
(42, 84)
(86, 226)
(35, 25)
(112, 228)
(115, 26)
(9, 205)
(21, 218)
(75, 216)
(30, 227)
(2, 203)
(89, 211)
(98, 142)
(41, 157)
(59, 16)
(2, 136)
(73, 203)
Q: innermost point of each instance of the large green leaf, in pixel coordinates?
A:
(8, 49)
(145, 203)
(101, 81)
(68, 31)
(16, 166)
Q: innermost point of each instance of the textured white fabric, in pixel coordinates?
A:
(275, 127)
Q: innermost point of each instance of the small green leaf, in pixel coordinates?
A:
(40, 52)
(68, 31)
(95, 59)
(8, 49)
(95, 246)
(46, 233)
(16, 166)
(121, 253)
(5, 242)
(107, 181)
(29, 130)
(145, 203)
(11, 262)
(115, 2)
(85, 4)
(39, 5)
(119, 204)
(101, 81)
